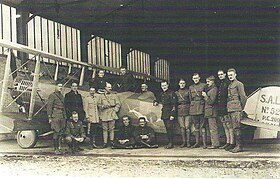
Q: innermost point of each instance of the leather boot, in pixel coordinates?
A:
(56, 147)
(188, 138)
(231, 146)
(204, 140)
(183, 133)
(196, 145)
(238, 147)
(224, 146)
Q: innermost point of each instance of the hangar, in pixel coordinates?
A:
(179, 37)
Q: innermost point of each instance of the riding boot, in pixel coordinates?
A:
(188, 138)
(183, 133)
(56, 147)
(204, 140)
(196, 145)
(238, 147)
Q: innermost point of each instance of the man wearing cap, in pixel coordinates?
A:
(74, 102)
(108, 105)
(124, 138)
(144, 135)
(125, 81)
(210, 112)
(57, 116)
(197, 109)
(183, 112)
(99, 82)
(222, 109)
(236, 102)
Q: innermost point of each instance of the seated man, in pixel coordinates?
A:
(75, 133)
(144, 135)
(124, 138)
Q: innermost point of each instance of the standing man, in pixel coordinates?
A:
(210, 111)
(57, 116)
(236, 102)
(145, 94)
(109, 105)
(183, 112)
(74, 102)
(92, 115)
(169, 111)
(197, 109)
(125, 82)
(222, 109)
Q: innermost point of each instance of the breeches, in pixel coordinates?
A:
(108, 125)
(58, 125)
(169, 125)
(93, 127)
(234, 120)
(199, 123)
(184, 121)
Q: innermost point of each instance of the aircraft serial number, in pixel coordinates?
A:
(272, 111)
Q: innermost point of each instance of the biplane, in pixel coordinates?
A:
(29, 90)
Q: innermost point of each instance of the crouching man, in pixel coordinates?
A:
(124, 138)
(144, 135)
(75, 133)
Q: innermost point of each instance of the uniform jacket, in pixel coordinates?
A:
(55, 106)
(126, 82)
(98, 83)
(169, 104)
(91, 109)
(236, 96)
(74, 102)
(210, 102)
(196, 98)
(222, 97)
(183, 102)
(75, 129)
(146, 130)
(108, 105)
(125, 132)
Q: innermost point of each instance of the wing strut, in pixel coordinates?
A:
(6, 80)
(34, 87)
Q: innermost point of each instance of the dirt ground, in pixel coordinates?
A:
(257, 161)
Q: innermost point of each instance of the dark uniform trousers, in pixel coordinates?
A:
(169, 102)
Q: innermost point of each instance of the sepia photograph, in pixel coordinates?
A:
(140, 88)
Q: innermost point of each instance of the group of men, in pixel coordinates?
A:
(197, 105)
(202, 104)
(68, 114)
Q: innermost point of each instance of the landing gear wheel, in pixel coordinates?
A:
(27, 139)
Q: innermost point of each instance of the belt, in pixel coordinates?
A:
(184, 103)
(55, 108)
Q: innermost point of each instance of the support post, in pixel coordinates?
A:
(34, 87)
(93, 72)
(56, 72)
(69, 68)
(82, 76)
(6, 80)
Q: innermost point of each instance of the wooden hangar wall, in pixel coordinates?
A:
(60, 39)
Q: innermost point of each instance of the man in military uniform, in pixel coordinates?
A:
(183, 112)
(145, 94)
(210, 111)
(125, 81)
(75, 133)
(169, 111)
(236, 102)
(197, 109)
(57, 116)
(73, 102)
(108, 105)
(124, 138)
(92, 115)
(222, 109)
(99, 82)
(144, 135)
